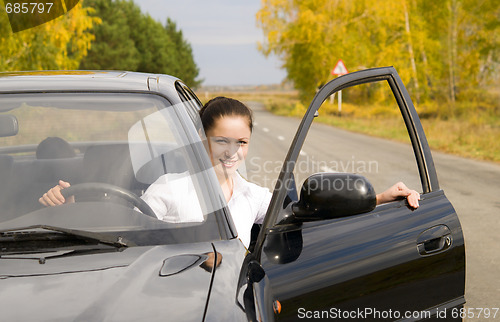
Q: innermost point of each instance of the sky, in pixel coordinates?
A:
(223, 35)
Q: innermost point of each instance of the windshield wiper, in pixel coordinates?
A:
(37, 237)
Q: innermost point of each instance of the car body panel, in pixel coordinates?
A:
(369, 261)
(115, 286)
(75, 81)
(222, 301)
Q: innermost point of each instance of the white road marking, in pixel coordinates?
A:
(265, 129)
(303, 153)
(281, 138)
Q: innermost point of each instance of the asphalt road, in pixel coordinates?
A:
(473, 187)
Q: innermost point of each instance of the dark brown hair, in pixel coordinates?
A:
(220, 107)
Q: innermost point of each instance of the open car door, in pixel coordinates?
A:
(326, 251)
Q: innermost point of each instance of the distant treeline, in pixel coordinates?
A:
(127, 39)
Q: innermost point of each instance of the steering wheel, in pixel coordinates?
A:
(112, 190)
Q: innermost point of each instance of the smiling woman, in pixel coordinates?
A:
(228, 125)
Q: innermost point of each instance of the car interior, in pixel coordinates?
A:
(24, 179)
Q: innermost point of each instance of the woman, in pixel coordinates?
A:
(228, 125)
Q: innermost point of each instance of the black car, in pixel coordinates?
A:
(324, 250)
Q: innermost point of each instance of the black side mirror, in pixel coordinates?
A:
(8, 125)
(334, 195)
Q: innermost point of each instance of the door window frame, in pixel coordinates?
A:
(423, 156)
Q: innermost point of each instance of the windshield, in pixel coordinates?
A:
(114, 149)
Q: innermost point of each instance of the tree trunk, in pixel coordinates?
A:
(410, 51)
(452, 49)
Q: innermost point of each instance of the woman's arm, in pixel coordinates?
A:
(399, 190)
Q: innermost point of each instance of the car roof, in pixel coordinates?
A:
(83, 81)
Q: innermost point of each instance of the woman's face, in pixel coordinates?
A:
(228, 142)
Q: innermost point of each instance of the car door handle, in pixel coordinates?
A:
(434, 240)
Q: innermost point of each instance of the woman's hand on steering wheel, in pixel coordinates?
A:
(54, 197)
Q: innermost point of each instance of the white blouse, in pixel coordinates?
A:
(173, 198)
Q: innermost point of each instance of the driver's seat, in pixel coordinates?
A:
(111, 164)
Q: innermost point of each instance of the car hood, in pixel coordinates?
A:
(137, 283)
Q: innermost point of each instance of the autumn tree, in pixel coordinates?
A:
(442, 49)
(57, 44)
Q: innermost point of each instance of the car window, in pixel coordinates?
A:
(138, 143)
(369, 108)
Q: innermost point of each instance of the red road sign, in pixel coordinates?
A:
(339, 68)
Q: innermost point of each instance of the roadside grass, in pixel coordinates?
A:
(473, 131)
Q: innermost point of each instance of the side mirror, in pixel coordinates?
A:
(8, 125)
(334, 195)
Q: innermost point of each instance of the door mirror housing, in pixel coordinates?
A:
(334, 195)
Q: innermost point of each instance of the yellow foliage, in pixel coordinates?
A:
(299, 109)
(440, 49)
(58, 44)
